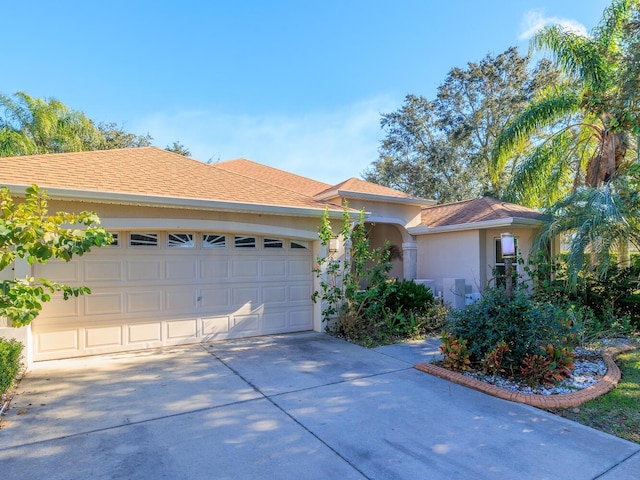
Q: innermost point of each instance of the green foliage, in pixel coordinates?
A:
(600, 306)
(28, 231)
(358, 300)
(34, 126)
(179, 148)
(523, 324)
(10, 351)
(583, 167)
(406, 296)
(30, 126)
(441, 148)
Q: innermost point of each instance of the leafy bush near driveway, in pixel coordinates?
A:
(10, 351)
(525, 325)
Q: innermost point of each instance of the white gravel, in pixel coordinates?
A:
(588, 369)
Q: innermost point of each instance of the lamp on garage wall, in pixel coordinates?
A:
(333, 245)
(508, 247)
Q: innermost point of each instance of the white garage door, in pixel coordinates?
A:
(164, 288)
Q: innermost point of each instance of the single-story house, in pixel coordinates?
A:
(225, 250)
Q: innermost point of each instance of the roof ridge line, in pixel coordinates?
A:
(311, 197)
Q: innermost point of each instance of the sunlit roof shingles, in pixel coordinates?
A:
(147, 171)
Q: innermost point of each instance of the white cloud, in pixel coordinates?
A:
(534, 21)
(330, 146)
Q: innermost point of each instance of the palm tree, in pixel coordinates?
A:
(34, 125)
(582, 129)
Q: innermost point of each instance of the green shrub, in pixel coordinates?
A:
(523, 324)
(10, 351)
(613, 300)
(406, 296)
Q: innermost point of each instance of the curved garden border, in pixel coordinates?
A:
(564, 400)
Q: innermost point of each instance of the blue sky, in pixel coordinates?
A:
(298, 85)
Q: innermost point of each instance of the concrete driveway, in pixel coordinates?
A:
(302, 406)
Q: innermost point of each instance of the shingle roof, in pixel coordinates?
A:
(274, 176)
(474, 211)
(147, 171)
(362, 186)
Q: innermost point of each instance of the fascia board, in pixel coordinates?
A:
(502, 222)
(375, 197)
(56, 193)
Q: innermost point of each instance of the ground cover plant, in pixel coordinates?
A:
(618, 411)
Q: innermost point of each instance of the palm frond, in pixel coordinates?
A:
(598, 220)
(554, 104)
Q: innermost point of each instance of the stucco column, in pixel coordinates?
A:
(410, 260)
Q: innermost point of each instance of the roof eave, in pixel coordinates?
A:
(56, 193)
(498, 223)
(376, 197)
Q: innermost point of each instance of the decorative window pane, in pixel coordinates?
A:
(183, 240)
(115, 242)
(244, 242)
(143, 239)
(272, 243)
(299, 244)
(212, 240)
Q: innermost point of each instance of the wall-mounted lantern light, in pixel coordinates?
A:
(508, 244)
(333, 245)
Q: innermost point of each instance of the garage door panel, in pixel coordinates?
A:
(298, 293)
(215, 325)
(182, 329)
(245, 296)
(58, 341)
(103, 303)
(144, 332)
(214, 269)
(214, 297)
(58, 307)
(98, 271)
(245, 268)
(274, 294)
(182, 269)
(300, 319)
(103, 336)
(274, 268)
(145, 301)
(244, 324)
(181, 300)
(63, 272)
(300, 267)
(145, 270)
(274, 322)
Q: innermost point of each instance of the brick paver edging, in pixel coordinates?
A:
(564, 400)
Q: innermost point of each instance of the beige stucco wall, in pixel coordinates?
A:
(451, 255)
(468, 254)
(405, 215)
(114, 217)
